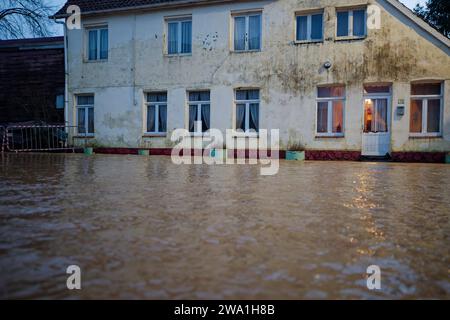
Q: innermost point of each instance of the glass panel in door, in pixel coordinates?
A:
(381, 115)
(375, 115)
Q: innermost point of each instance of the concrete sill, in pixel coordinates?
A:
(329, 137)
(95, 61)
(197, 134)
(245, 51)
(244, 136)
(340, 39)
(297, 42)
(154, 135)
(426, 137)
(177, 55)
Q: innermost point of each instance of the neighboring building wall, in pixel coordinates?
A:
(31, 76)
(286, 73)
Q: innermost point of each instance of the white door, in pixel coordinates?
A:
(376, 134)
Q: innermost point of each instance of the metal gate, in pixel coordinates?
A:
(29, 138)
(2, 138)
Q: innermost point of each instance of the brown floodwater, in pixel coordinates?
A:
(142, 227)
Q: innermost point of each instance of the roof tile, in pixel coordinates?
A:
(102, 5)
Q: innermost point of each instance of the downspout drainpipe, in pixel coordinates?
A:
(66, 75)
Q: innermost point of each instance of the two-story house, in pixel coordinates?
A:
(345, 76)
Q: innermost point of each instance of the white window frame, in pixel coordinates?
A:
(178, 21)
(247, 103)
(198, 122)
(350, 23)
(156, 105)
(86, 108)
(330, 100)
(247, 16)
(97, 28)
(309, 15)
(424, 99)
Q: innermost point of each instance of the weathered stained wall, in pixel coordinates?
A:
(287, 73)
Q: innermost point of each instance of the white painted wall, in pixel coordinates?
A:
(286, 73)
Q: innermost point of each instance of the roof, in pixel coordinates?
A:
(33, 43)
(97, 6)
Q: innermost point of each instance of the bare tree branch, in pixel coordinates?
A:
(25, 18)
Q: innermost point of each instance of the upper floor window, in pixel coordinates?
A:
(426, 109)
(85, 114)
(351, 23)
(97, 46)
(156, 112)
(179, 36)
(310, 27)
(199, 111)
(330, 111)
(247, 32)
(247, 110)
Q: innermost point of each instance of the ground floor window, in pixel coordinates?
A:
(426, 109)
(247, 110)
(199, 111)
(330, 111)
(85, 114)
(156, 112)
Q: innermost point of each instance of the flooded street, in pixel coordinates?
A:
(142, 227)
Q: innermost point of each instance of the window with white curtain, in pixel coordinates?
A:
(179, 36)
(351, 23)
(247, 32)
(156, 112)
(330, 111)
(310, 27)
(199, 111)
(97, 43)
(247, 110)
(85, 114)
(426, 109)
